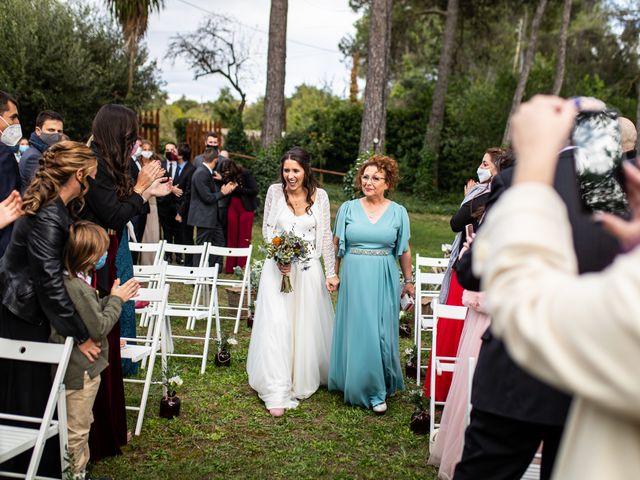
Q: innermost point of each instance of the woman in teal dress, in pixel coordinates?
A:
(370, 234)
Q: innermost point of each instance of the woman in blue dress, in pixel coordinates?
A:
(370, 234)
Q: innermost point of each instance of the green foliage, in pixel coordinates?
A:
(68, 58)
(252, 115)
(349, 180)
(266, 169)
(180, 126)
(305, 102)
(236, 140)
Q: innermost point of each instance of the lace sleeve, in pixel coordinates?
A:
(266, 216)
(328, 252)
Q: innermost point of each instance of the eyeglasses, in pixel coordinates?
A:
(374, 179)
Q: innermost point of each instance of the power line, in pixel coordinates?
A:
(259, 30)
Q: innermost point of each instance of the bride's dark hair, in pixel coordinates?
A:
(309, 183)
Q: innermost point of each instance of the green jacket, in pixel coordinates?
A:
(99, 316)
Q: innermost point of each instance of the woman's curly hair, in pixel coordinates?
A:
(59, 163)
(385, 164)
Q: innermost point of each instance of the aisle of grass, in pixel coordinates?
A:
(224, 430)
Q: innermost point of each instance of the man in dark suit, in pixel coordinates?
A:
(203, 211)
(182, 184)
(167, 205)
(512, 411)
(10, 135)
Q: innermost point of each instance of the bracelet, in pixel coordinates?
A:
(409, 281)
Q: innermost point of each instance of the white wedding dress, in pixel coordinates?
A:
(291, 338)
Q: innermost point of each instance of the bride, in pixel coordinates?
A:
(291, 339)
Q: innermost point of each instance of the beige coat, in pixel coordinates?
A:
(579, 333)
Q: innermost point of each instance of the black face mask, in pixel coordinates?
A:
(630, 155)
(82, 187)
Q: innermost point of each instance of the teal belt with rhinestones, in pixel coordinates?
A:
(368, 251)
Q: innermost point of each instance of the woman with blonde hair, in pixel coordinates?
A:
(33, 293)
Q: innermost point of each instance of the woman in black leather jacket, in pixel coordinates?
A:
(33, 293)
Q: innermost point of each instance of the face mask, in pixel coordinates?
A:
(146, 154)
(23, 148)
(170, 156)
(50, 138)
(102, 261)
(484, 174)
(12, 134)
(82, 186)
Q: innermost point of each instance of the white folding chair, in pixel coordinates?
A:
(202, 278)
(15, 440)
(152, 248)
(470, 372)
(429, 278)
(231, 282)
(440, 364)
(533, 470)
(138, 349)
(180, 249)
(153, 277)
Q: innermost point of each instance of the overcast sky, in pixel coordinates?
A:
(314, 29)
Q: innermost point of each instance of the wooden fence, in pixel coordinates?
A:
(196, 134)
(149, 127)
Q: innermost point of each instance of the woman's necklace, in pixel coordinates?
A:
(372, 212)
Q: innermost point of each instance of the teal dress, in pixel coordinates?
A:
(365, 355)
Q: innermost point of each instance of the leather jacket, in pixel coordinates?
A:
(31, 272)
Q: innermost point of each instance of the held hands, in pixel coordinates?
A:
(409, 289)
(149, 173)
(179, 218)
(284, 269)
(126, 291)
(332, 283)
(177, 191)
(227, 188)
(10, 209)
(90, 349)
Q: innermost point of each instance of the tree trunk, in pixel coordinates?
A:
(273, 119)
(353, 88)
(133, 47)
(436, 117)
(526, 67)
(562, 48)
(375, 91)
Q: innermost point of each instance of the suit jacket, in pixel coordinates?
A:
(499, 385)
(9, 181)
(203, 211)
(247, 190)
(183, 181)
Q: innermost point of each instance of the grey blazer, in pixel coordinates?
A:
(203, 210)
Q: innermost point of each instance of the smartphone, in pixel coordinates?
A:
(469, 230)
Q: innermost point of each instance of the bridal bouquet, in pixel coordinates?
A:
(288, 248)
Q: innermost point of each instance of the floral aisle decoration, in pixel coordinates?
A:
(411, 362)
(420, 418)
(223, 355)
(170, 402)
(288, 248)
(406, 319)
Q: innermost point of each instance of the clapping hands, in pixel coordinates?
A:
(10, 209)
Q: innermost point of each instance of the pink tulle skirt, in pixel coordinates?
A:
(447, 447)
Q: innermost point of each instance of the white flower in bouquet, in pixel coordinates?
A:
(232, 341)
(177, 381)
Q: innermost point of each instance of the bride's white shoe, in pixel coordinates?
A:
(276, 412)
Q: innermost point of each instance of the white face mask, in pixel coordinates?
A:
(146, 154)
(484, 174)
(12, 134)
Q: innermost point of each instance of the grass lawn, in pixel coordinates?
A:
(224, 430)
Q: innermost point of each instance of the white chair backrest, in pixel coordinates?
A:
(432, 262)
(37, 352)
(188, 249)
(150, 273)
(448, 311)
(230, 252)
(433, 279)
(176, 273)
(155, 248)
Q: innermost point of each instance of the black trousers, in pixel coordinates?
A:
(501, 448)
(215, 236)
